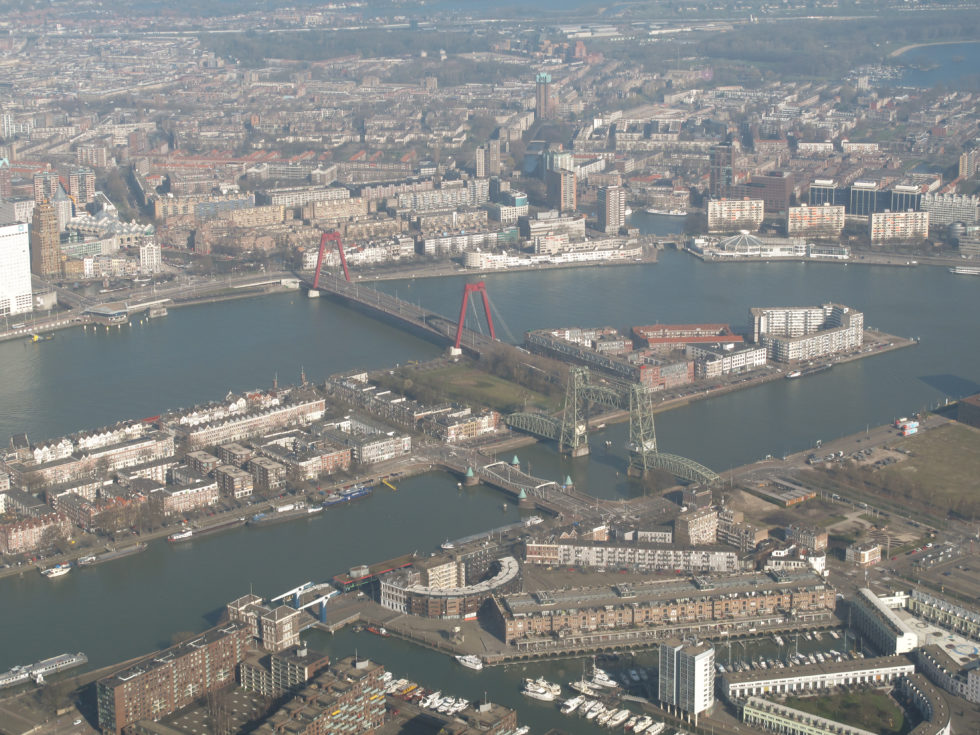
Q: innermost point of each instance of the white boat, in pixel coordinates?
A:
(631, 722)
(396, 686)
(427, 702)
(555, 689)
(447, 545)
(535, 691)
(642, 724)
(619, 718)
(471, 662)
(604, 717)
(572, 704)
(180, 535)
(601, 678)
(587, 706)
(58, 570)
(595, 711)
(656, 728)
(522, 730)
(584, 687)
(965, 270)
(667, 212)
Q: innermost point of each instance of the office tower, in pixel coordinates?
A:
(45, 242)
(81, 186)
(5, 179)
(544, 103)
(722, 173)
(488, 160)
(612, 208)
(15, 269)
(561, 190)
(45, 186)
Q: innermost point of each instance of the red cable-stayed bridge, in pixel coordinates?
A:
(398, 311)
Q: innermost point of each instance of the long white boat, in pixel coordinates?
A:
(619, 718)
(965, 270)
(58, 570)
(584, 686)
(555, 689)
(535, 691)
(572, 704)
(642, 724)
(20, 674)
(471, 662)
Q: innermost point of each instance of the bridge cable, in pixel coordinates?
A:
(476, 316)
(499, 319)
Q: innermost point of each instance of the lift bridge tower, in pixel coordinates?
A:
(644, 454)
(573, 436)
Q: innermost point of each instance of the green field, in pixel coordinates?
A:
(947, 457)
(873, 710)
(935, 479)
(465, 384)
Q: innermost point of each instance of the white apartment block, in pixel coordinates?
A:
(945, 209)
(814, 677)
(729, 215)
(804, 333)
(15, 270)
(821, 220)
(150, 260)
(879, 623)
(710, 362)
(909, 225)
(647, 558)
(687, 676)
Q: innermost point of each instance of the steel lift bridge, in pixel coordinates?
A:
(570, 430)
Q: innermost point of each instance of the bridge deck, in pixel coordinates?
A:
(395, 309)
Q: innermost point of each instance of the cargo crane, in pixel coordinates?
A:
(324, 239)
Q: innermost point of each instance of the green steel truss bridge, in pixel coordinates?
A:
(569, 429)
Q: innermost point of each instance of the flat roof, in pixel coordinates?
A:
(698, 587)
(818, 669)
(164, 657)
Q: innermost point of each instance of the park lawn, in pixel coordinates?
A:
(467, 385)
(872, 710)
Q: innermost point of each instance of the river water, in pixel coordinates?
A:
(954, 65)
(131, 606)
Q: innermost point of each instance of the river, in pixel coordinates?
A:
(954, 65)
(131, 606)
